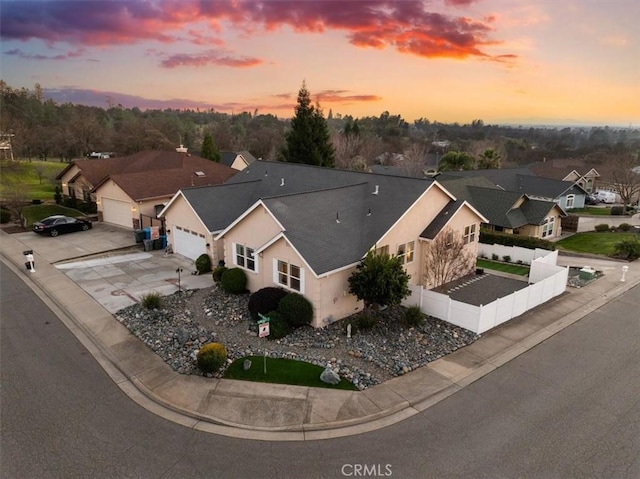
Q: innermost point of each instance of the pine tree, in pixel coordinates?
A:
(308, 141)
(209, 150)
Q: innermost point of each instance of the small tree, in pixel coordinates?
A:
(209, 150)
(456, 161)
(379, 280)
(626, 178)
(446, 258)
(489, 159)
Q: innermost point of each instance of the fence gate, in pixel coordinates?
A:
(570, 223)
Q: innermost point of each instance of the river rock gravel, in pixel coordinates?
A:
(189, 319)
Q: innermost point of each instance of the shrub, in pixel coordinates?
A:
(628, 249)
(519, 262)
(624, 227)
(211, 357)
(603, 227)
(413, 316)
(234, 281)
(5, 215)
(265, 300)
(494, 237)
(495, 257)
(617, 210)
(296, 310)
(217, 273)
(57, 196)
(151, 300)
(203, 263)
(365, 320)
(506, 258)
(278, 326)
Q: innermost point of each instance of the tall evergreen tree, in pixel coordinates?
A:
(209, 150)
(308, 141)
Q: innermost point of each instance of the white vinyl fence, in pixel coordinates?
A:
(546, 281)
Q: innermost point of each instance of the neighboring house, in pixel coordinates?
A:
(507, 211)
(566, 194)
(574, 171)
(238, 160)
(128, 188)
(306, 228)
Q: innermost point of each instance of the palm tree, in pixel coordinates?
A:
(456, 161)
(489, 159)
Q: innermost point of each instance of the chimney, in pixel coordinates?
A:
(377, 190)
(181, 149)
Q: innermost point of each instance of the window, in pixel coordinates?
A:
(470, 234)
(289, 275)
(405, 251)
(570, 200)
(245, 258)
(547, 226)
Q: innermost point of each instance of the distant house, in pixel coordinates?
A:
(127, 188)
(238, 160)
(507, 211)
(571, 170)
(306, 228)
(566, 194)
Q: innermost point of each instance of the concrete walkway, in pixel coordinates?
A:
(277, 412)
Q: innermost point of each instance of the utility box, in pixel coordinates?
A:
(587, 274)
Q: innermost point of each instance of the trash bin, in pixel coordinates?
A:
(157, 243)
(139, 235)
(148, 244)
(147, 233)
(163, 240)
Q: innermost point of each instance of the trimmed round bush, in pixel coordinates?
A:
(278, 326)
(217, 273)
(203, 263)
(5, 215)
(603, 227)
(624, 227)
(234, 281)
(211, 357)
(296, 310)
(265, 300)
(617, 210)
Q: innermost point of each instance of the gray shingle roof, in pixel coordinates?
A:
(441, 220)
(307, 203)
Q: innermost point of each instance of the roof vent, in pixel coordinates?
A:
(376, 190)
(266, 173)
(281, 181)
(200, 173)
(337, 217)
(369, 212)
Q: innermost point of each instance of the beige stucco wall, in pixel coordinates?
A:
(78, 187)
(110, 190)
(181, 214)
(239, 163)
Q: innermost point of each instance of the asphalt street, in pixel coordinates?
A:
(569, 407)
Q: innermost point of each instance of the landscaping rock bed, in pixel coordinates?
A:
(191, 319)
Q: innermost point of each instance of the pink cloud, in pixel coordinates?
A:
(211, 57)
(61, 56)
(404, 25)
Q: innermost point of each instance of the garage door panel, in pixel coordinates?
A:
(117, 212)
(188, 243)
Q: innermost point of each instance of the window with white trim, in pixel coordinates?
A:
(470, 234)
(245, 257)
(570, 201)
(289, 275)
(547, 226)
(405, 251)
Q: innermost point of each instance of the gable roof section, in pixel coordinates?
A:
(442, 219)
(228, 157)
(161, 173)
(505, 178)
(497, 206)
(547, 187)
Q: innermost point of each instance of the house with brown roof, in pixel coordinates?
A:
(125, 189)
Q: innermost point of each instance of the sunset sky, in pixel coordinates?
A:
(503, 61)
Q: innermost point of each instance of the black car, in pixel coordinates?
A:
(591, 200)
(54, 225)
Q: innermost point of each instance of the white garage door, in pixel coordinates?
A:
(188, 243)
(117, 212)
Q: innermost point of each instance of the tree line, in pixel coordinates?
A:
(39, 128)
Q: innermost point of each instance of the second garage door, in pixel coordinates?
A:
(117, 212)
(188, 243)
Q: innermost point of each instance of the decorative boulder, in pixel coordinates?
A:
(329, 376)
(246, 365)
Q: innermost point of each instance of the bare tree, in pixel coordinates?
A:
(446, 259)
(415, 158)
(626, 177)
(347, 148)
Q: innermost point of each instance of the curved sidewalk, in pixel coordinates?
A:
(277, 412)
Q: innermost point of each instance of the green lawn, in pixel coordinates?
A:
(34, 213)
(282, 371)
(591, 210)
(595, 243)
(26, 181)
(504, 267)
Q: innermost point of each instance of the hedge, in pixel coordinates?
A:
(493, 237)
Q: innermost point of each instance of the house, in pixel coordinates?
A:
(566, 194)
(507, 211)
(573, 171)
(306, 228)
(127, 189)
(238, 160)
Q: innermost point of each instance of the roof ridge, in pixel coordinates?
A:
(314, 191)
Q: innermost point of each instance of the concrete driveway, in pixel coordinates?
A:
(106, 262)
